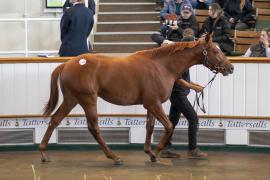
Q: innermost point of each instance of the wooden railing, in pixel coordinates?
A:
(236, 59)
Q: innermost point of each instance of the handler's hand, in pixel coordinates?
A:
(197, 88)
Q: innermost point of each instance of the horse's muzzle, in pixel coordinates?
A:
(228, 70)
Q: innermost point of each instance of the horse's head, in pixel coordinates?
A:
(213, 58)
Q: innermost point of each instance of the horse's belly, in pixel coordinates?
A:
(120, 98)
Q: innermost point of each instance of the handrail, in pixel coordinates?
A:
(142, 115)
(236, 59)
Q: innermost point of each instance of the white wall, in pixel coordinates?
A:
(25, 89)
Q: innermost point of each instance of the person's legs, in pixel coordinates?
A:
(192, 117)
(208, 3)
(157, 38)
(194, 3)
(241, 26)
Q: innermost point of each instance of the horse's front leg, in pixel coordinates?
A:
(150, 123)
(157, 110)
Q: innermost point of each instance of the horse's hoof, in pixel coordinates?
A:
(118, 162)
(153, 159)
(45, 159)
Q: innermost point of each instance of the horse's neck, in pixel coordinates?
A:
(179, 62)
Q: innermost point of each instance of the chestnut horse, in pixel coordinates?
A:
(146, 78)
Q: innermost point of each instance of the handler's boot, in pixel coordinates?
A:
(197, 154)
(168, 153)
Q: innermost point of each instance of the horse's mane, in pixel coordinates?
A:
(168, 49)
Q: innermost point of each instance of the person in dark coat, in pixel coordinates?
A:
(217, 24)
(174, 32)
(91, 6)
(181, 105)
(76, 25)
(238, 13)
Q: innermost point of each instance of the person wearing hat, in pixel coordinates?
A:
(173, 7)
(173, 32)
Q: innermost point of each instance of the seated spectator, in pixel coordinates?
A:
(261, 49)
(201, 4)
(91, 6)
(173, 7)
(217, 24)
(188, 35)
(238, 13)
(173, 32)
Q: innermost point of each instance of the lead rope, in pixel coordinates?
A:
(201, 95)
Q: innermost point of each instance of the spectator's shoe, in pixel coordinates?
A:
(158, 8)
(197, 154)
(168, 153)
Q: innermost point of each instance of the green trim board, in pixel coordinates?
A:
(127, 147)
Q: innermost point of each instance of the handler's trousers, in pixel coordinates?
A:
(181, 105)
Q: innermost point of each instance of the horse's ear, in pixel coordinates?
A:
(208, 37)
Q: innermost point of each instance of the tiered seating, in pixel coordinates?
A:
(261, 4)
(262, 19)
(201, 15)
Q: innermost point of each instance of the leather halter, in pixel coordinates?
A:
(215, 69)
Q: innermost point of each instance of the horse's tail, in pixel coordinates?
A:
(54, 94)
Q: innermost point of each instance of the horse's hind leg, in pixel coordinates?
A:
(150, 123)
(57, 117)
(92, 122)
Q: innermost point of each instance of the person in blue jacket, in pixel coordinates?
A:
(76, 25)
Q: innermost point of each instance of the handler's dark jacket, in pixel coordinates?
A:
(232, 10)
(76, 25)
(178, 89)
(221, 32)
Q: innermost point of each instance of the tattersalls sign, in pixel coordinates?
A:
(135, 122)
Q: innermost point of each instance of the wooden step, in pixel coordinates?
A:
(128, 16)
(128, 26)
(123, 37)
(122, 47)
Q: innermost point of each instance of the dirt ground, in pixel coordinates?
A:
(93, 165)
